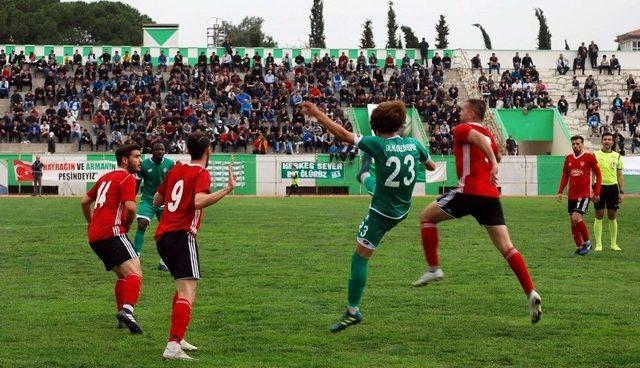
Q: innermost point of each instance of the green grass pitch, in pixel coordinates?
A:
(275, 275)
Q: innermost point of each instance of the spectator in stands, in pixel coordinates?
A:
(389, 63)
(476, 63)
(619, 142)
(424, 51)
(562, 65)
(436, 61)
(581, 98)
(4, 88)
(618, 118)
(593, 55)
(446, 62)
(493, 63)
(51, 143)
(116, 140)
(614, 64)
(631, 83)
(527, 62)
(517, 61)
(563, 105)
(604, 65)
(635, 139)
(512, 146)
(85, 139)
(102, 139)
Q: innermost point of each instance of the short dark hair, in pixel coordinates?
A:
(577, 138)
(389, 117)
(197, 144)
(607, 134)
(125, 151)
(478, 106)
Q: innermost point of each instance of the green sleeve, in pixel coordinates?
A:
(424, 154)
(369, 144)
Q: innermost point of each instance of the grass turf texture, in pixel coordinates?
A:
(275, 274)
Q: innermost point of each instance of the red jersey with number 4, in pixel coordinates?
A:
(110, 193)
(577, 173)
(472, 166)
(179, 189)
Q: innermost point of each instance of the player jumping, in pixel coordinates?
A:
(396, 160)
(109, 220)
(185, 192)
(152, 173)
(477, 195)
(610, 164)
(576, 172)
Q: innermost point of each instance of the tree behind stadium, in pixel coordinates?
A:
(248, 33)
(316, 37)
(410, 39)
(367, 42)
(442, 31)
(52, 22)
(544, 35)
(392, 27)
(485, 36)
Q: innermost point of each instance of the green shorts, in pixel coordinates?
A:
(373, 228)
(147, 210)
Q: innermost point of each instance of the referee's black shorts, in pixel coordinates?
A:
(608, 198)
(179, 251)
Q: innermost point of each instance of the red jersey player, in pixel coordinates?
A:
(477, 195)
(114, 195)
(185, 192)
(577, 173)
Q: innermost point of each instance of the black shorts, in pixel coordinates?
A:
(580, 205)
(608, 198)
(179, 251)
(114, 251)
(486, 210)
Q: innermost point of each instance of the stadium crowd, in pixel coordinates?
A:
(244, 104)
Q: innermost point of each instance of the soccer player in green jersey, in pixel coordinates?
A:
(610, 163)
(152, 173)
(396, 163)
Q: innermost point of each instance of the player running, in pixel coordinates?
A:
(576, 172)
(610, 164)
(185, 192)
(152, 173)
(477, 195)
(109, 220)
(396, 160)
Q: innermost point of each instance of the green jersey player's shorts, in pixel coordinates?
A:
(373, 228)
(147, 210)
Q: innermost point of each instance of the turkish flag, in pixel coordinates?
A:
(22, 170)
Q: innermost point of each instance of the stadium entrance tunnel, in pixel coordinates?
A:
(537, 131)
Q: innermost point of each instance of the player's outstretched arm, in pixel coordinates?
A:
(129, 213)
(484, 145)
(86, 207)
(203, 200)
(340, 132)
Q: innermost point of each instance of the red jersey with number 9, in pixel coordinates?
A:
(472, 166)
(110, 193)
(179, 189)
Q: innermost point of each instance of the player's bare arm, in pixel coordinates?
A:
(130, 213)
(430, 165)
(203, 200)
(480, 141)
(86, 207)
(620, 185)
(340, 132)
(158, 199)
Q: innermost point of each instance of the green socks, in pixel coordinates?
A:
(370, 184)
(597, 231)
(138, 241)
(358, 279)
(613, 232)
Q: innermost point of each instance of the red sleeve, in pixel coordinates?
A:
(565, 177)
(596, 170)
(203, 182)
(461, 133)
(92, 193)
(128, 189)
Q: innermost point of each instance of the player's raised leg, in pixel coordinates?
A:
(500, 238)
(357, 283)
(131, 272)
(364, 176)
(430, 217)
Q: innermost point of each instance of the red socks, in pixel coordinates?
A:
(180, 317)
(519, 268)
(131, 289)
(429, 233)
(119, 289)
(583, 231)
(577, 235)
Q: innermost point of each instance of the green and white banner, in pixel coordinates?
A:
(312, 170)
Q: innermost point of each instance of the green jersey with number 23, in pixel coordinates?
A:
(397, 160)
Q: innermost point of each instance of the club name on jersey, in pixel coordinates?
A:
(405, 147)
